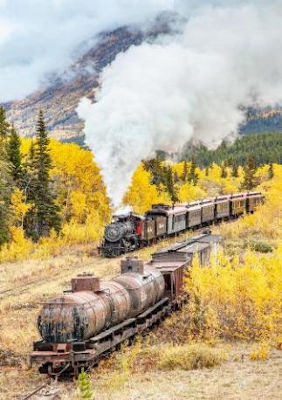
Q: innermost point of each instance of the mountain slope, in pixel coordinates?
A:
(60, 95)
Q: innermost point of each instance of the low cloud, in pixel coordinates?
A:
(39, 37)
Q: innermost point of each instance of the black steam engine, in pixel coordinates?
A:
(121, 236)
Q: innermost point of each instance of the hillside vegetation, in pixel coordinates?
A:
(223, 344)
(265, 147)
(41, 217)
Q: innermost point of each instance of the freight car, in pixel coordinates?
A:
(95, 317)
(131, 231)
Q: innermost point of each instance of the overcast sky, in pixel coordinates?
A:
(38, 37)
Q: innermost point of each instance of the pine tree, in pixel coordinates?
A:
(44, 216)
(207, 170)
(170, 185)
(250, 169)
(5, 195)
(4, 125)
(84, 385)
(193, 176)
(270, 171)
(14, 156)
(5, 180)
(235, 172)
(185, 172)
(223, 168)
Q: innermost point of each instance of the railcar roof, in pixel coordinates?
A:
(170, 211)
(195, 244)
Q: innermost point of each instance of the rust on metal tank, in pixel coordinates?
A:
(144, 289)
(132, 264)
(85, 282)
(118, 301)
(74, 316)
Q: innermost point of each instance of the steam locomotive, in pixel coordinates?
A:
(131, 231)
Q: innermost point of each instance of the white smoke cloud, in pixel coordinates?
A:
(39, 37)
(157, 96)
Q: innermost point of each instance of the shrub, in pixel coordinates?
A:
(261, 247)
(260, 353)
(84, 386)
(188, 357)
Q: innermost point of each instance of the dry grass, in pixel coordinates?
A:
(152, 372)
(236, 379)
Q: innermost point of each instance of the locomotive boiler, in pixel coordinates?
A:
(122, 235)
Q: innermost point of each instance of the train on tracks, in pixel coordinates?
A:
(131, 231)
(94, 317)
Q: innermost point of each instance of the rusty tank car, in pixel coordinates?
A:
(91, 307)
(95, 317)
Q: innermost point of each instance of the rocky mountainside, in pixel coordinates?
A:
(60, 95)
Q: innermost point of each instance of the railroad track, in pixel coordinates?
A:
(46, 391)
(6, 292)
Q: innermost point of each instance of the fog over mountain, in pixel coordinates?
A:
(148, 75)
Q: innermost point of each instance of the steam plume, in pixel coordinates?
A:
(158, 96)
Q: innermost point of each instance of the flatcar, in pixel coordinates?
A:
(94, 317)
(131, 231)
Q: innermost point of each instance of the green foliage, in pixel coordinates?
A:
(84, 385)
(5, 180)
(270, 171)
(223, 170)
(266, 147)
(192, 175)
(170, 184)
(235, 172)
(14, 155)
(44, 216)
(185, 172)
(4, 125)
(5, 195)
(259, 246)
(250, 180)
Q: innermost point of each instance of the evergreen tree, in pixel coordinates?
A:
(5, 179)
(5, 196)
(235, 172)
(270, 171)
(185, 172)
(170, 185)
(84, 385)
(4, 125)
(207, 170)
(223, 169)
(193, 176)
(250, 180)
(44, 216)
(14, 156)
